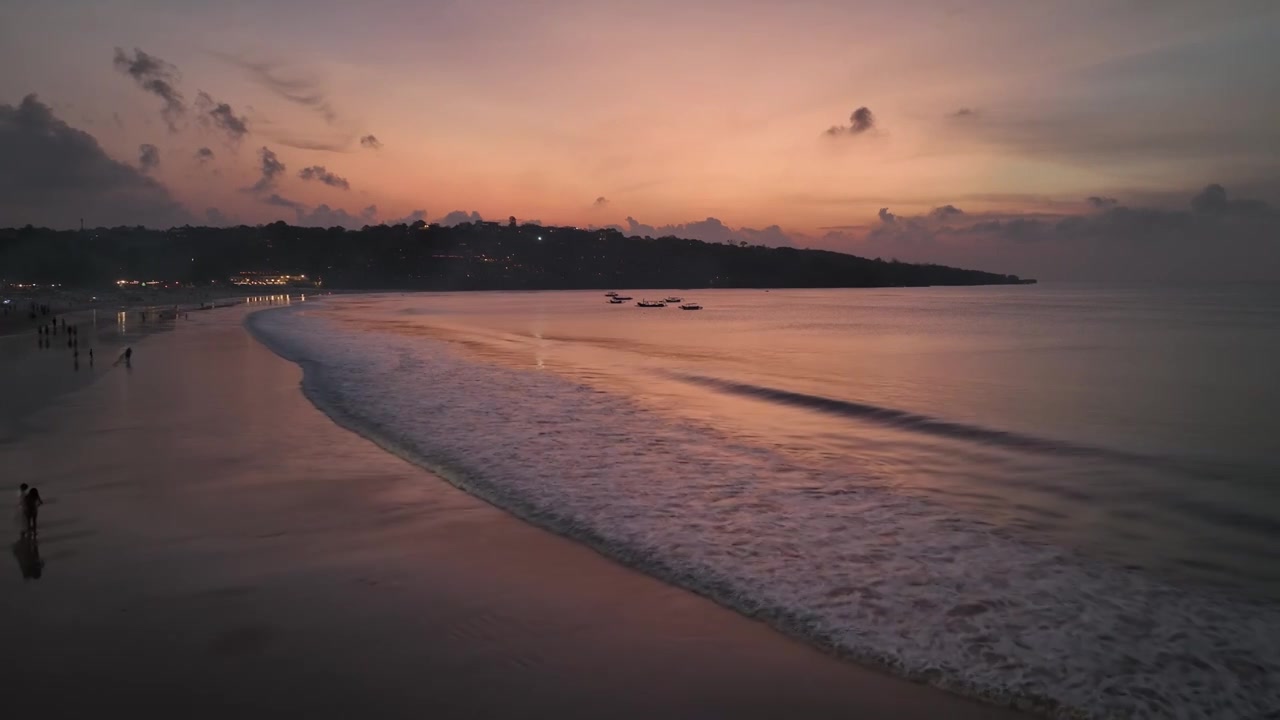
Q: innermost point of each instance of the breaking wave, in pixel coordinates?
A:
(871, 574)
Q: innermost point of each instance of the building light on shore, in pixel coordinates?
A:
(267, 279)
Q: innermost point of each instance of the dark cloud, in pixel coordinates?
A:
(409, 219)
(370, 142)
(204, 155)
(288, 84)
(53, 174)
(712, 230)
(221, 116)
(1100, 202)
(325, 216)
(271, 168)
(601, 202)
(148, 157)
(333, 145)
(963, 113)
(215, 217)
(458, 217)
(860, 121)
(320, 174)
(886, 216)
(276, 200)
(1213, 200)
(1215, 237)
(158, 78)
(946, 212)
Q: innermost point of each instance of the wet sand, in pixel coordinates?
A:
(215, 546)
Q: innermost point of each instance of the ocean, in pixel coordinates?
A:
(1060, 497)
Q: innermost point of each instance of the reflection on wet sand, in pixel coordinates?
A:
(27, 551)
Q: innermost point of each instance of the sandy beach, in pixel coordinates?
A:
(215, 546)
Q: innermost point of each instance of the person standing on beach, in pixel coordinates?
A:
(31, 503)
(90, 357)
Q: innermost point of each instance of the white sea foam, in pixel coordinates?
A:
(873, 574)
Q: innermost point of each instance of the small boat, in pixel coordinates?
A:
(611, 294)
(616, 301)
(624, 298)
(691, 306)
(672, 299)
(649, 303)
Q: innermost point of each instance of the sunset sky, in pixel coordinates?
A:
(988, 125)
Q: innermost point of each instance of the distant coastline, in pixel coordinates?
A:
(467, 256)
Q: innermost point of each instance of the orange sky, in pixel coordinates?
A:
(675, 111)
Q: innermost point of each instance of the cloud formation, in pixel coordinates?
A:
(271, 168)
(711, 230)
(886, 216)
(204, 155)
(1214, 237)
(276, 200)
(457, 217)
(860, 121)
(963, 113)
(601, 202)
(411, 218)
(323, 215)
(946, 212)
(54, 174)
(332, 145)
(296, 88)
(1100, 203)
(371, 142)
(148, 157)
(157, 77)
(222, 117)
(320, 174)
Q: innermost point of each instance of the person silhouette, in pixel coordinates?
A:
(31, 502)
(19, 518)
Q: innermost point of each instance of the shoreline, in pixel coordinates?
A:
(247, 555)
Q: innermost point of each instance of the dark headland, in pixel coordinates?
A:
(469, 256)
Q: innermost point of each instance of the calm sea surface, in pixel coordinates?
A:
(1066, 494)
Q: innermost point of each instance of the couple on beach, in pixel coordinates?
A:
(28, 510)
